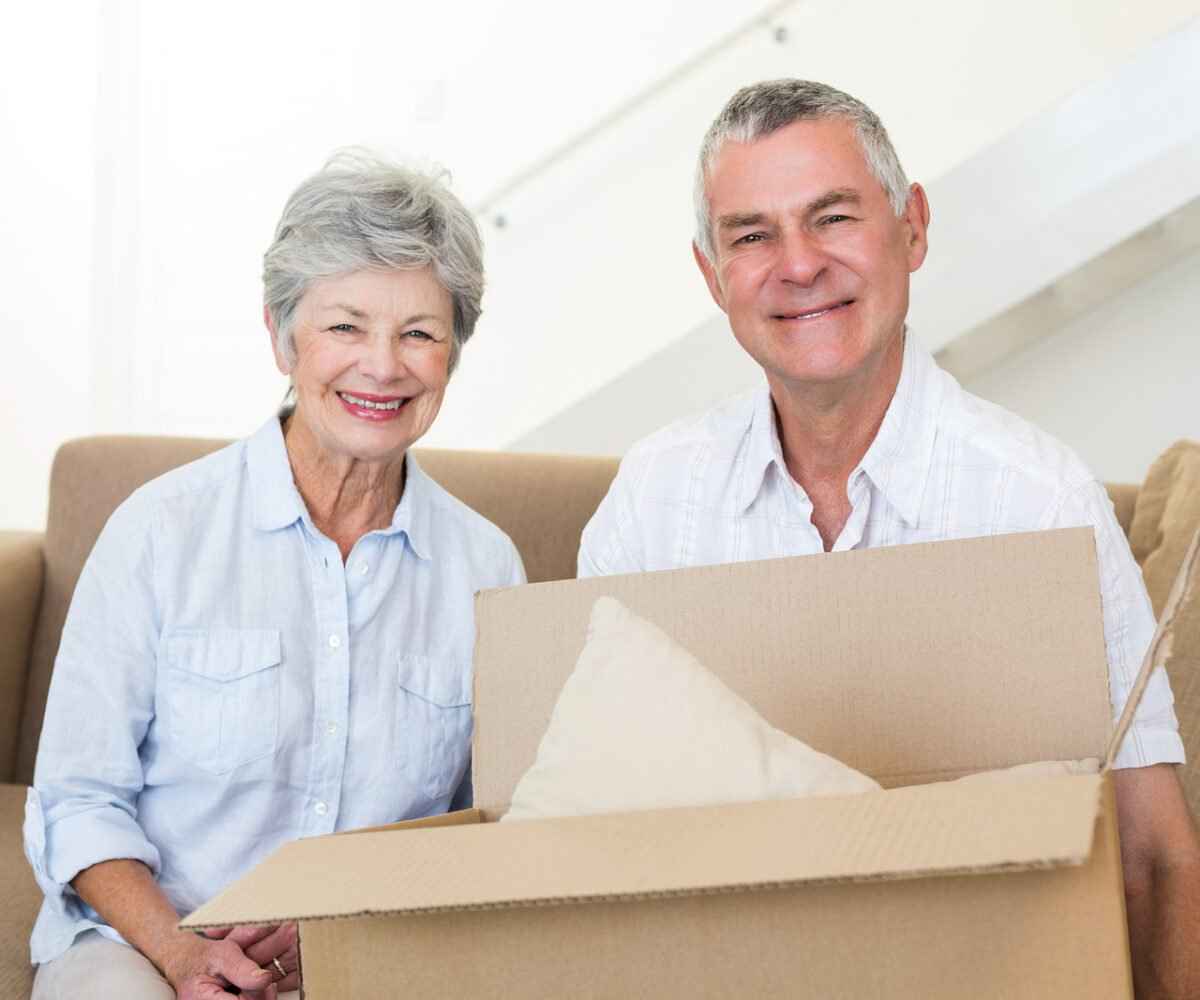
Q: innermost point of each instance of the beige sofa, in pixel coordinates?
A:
(542, 502)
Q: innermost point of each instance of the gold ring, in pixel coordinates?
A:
(279, 968)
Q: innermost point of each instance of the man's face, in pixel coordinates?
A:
(811, 262)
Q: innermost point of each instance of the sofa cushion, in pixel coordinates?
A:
(1165, 518)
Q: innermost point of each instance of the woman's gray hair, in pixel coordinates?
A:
(362, 211)
(756, 111)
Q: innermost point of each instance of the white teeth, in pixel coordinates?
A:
(366, 404)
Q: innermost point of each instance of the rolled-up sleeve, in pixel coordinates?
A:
(83, 807)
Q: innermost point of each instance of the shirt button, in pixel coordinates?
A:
(334, 642)
(331, 728)
(362, 569)
(320, 808)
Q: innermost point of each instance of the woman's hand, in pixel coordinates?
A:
(201, 967)
(261, 945)
(125, 894)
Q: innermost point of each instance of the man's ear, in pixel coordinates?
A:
(916, 221)
(710, 276)
(281, 362)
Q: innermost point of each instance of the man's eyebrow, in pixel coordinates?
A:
(737, 220)
(838, 196)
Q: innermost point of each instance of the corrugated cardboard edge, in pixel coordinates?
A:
(897, 835)
(460, 817)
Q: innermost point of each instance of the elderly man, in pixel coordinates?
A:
(807, 231)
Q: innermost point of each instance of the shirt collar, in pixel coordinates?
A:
(762, 449)
(898, 460)
(276, 500)
(278, 504)
(414, 512)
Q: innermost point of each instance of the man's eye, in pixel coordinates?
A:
(342, 328)
(749, 238)
(831, 219)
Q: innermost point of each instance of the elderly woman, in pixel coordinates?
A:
(275, 641)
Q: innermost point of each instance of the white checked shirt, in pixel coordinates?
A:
(945, 464)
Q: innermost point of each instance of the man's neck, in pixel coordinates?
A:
(825, 430)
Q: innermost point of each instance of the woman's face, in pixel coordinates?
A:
(372, 353)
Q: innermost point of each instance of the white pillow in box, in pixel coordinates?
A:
(641, 724)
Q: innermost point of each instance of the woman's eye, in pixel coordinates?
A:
(342, 328)
(419, 334)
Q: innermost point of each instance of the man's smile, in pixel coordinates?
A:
(816, 313)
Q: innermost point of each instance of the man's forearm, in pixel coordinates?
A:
(1161, 857)
(1164, 932)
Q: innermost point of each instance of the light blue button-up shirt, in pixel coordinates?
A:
(226, 683)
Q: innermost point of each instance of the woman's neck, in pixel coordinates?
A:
(346, 497)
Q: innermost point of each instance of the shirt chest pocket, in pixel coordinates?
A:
(434, 723)
(219, 695)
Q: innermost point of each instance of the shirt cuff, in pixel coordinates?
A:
(1146, 745)
(60, 850)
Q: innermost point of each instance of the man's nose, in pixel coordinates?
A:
(801, 258)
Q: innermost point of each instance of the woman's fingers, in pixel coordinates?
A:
(275, 945)
(228, 961)
(208, 988)
(246, 935)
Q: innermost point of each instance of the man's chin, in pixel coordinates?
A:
(817, 368)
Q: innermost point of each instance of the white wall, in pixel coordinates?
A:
(1119, 384)
(593, 276)
(47, 175)
(160, 140)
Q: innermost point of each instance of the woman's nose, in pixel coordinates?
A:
(381, 360)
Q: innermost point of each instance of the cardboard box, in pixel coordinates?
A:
(914, 664)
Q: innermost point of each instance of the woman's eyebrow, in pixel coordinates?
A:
(346, 308)
(420, 318)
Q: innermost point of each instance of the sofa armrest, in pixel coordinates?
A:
(21, 898)
(1124, 499)
(21, 574)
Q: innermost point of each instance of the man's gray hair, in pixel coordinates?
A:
(361, 211)
(756, 111)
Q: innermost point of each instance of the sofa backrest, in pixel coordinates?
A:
(541, 501)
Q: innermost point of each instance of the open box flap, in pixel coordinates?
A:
(941, 829)
(910, 664)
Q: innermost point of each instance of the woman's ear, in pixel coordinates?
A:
(281, 360)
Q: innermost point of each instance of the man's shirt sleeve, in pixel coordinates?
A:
(609, 543)
(1128, 628)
